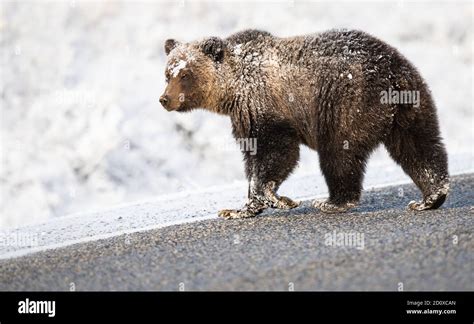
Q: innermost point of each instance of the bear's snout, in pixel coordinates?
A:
(164, 100)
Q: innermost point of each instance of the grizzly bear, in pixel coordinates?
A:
(340, 92)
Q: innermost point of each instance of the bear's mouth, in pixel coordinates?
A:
(184, 107)
(174, 108)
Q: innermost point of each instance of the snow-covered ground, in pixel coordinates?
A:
(81, 125)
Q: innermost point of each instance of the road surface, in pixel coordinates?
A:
(378, 246)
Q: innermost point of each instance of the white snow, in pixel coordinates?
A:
(81, 126)
(237, 49)
(175, 69)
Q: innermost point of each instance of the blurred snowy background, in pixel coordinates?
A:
(81, 125)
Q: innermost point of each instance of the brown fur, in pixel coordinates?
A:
(323, 91)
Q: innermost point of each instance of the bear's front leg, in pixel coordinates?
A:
(276, 201)
(252, 208)
(261, 196)
(255, 205)
(275, 158)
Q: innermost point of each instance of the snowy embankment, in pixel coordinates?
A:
(81, 126)
(183, 207)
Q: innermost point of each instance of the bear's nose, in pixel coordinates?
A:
(164, 99)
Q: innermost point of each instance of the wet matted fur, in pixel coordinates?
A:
(324, 91)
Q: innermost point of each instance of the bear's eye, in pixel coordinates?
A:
(184, 76)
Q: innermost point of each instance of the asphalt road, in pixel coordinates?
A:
(431, 250)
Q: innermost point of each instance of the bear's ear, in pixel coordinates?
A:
(213, 47)
(170, 44)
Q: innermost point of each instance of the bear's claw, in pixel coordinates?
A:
(235, 214)
(330, 208)
(285, 203)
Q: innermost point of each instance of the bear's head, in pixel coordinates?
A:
(191, 73)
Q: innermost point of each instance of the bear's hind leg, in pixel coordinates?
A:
(421, 154)
(343, 171)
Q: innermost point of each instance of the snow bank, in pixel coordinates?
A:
(81, 125)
